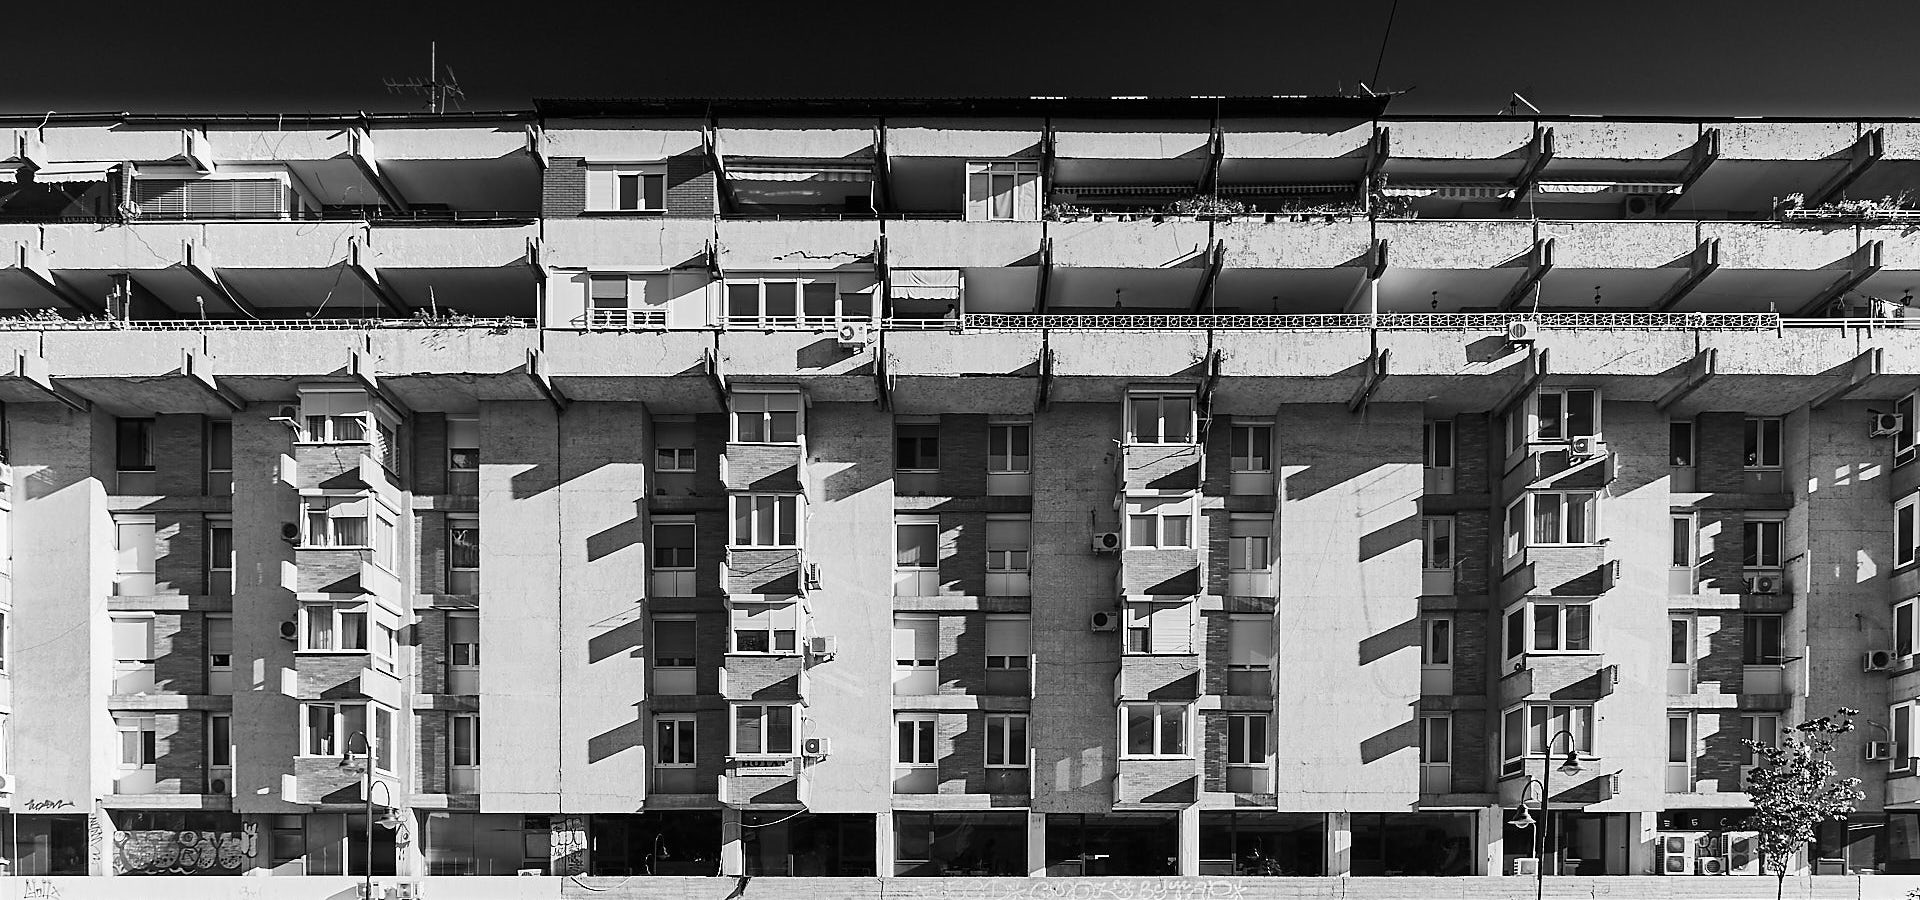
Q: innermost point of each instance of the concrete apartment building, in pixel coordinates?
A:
(891, 488)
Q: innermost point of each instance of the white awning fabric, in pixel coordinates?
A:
(925, 284)
(1461, 190)
(61, 173)
(794, 173)
(1606, 187)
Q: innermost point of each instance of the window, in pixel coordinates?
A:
(673, 543)
(1161, 418)
(1165, 522)
(1436, 739)
(1683, 542)
(766, 520)
(463, 444)
(220, 643)
(1247, 739)
(1763, 443)
(610, 299)
(627, 187)
(133, 640)
(917, 542)
(219, 740)
(1249, 544)
(465, 735)
(139, 741)
(916, 642)
(913, 744)
(382, 741)
(341, 428)
(1760, 642)
(1764, 729)
(1903, 625)
(1164, 628)
(386, 647)
(463, 640)
(1526, 730)
(1680, 444)
(1003, 191)
(1439, 444)
(673, 448)
(385, 538)
(1006, 740)
(334, 521)
(916, 447)
(463, 548)
(220, 447)
(1252, 448)
(326, 727)
(1009, 643)
(1436, 543)
(1436, 646)
(1008, 450)
(133, 445)
(762, 730)
(1562, 627)
(1680, 752)
(674, 643)
(1902, 735)
(333, 626)
(219, 555)
(1906, 530)
(1680, 641)
(1249, 651)
(1008, 553)
(1761, 542)
(1155, 729)
(1903, 439)
(1565, 415)
(675, 744)
(766, 417)
(6, 640)
(783, 300)
(765, 628)
(1559, 517)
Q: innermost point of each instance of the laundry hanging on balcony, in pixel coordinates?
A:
(924, 284)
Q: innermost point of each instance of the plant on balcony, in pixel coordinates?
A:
(1385, 207)
(1066, 212)
(1207, 207)
(1892, 206)
(1796, 788)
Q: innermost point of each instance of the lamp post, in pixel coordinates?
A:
(389, 820)
(1542, 841)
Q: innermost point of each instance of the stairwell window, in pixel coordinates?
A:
(1160, 418)
(1906, 530)
(627, 187)
(916, 447)
(133, 445)
(1763, 443)
(767, 417)
(766, 520)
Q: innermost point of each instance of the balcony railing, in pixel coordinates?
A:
(495, 324)
(1387, 321)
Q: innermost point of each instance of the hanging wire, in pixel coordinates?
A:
(1381, 59)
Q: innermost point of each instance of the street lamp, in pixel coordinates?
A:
(1541, 839)
(391, 820)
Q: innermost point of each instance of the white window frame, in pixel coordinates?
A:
(1023, 191)
(1902, 733)
(1529, 521)
(1684, 538)
(761, 407)
(147, 622)
(1253, 727)
(1145, 621)
(219, 752)
(144, 426)
(1562, 425)
(1008, 557)
(1005, 743)
(337, 613)
(1157, 719)
(1432, 530)
(463, 656)
(1436, 445)
(692, 549)
(607, 175)
(1903, 440)
(339, 735)
(1000, 455)
(1163, 511)
(922, 750)
(329, 536)
(1257, 436)
(1688, 748)
(1579, 718)
(1760, 544)
(919, 444)
(1759, 426)
(1906, 618)
(214, 662)
(1159, 433)
(764, 751)
(916, 521)
(1535, 608)
(1006, 659)
(800, 316)
(146, 729)
(1428, 742)
(1906, 512)
(1762, 727)
(916, 624)
(1437, 637)
(470, 722)
(751, 505)
(668, 729)
(782, 618)
(674, 458)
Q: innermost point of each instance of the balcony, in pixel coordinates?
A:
(765, 468)
(769, 678)
(762, 781)
(1161, 467)
(1158, 677)
(1552, 466)
(1153, 783)
(773, 571)
(1561, 677)
(1575, 570)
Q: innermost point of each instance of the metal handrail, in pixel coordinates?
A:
(1385, 321)
(489, 324)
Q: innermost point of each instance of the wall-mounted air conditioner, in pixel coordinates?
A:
(1106, 542)
(1104, 620)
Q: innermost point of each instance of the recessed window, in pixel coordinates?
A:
(219, 643)
(1680, 444)
(1906, 530)
(133, 445)
(1249, 544)
(1003, 190)
(673, 448)
(1761, 641)
(1903, 442)
(1903, 627)
(675, 742)
(1683, 541)
(1008, 450)
(760, 730)
(766, 418)
(1527, 730)
(916, 542)
(766, 520)
(1567, 414)
(791, 301)
(1162, 522)
(916, 447)
(1436, 647)
(1438, 440)
(1160, 418)
(914, 740)
(335, 521)
(328, 728)
(1252, 448)
(333, 626)
(1160, 628)
(463, 640)
(1247, 739)
(463, 444)
(1549, 628)
(1761, 542)
(1436, 543)
(1009, 643)
(765, 628)
(1763, 443)
(1155, 729)
(463, 549)
(627, 187)
(139, 741)
(1006, 740)
(673, 544)
(1552, 518)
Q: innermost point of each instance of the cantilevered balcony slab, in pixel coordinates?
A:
(1309, 244)
(797, 245)
(961, 139)
(1140, 244)
(939, 244)
(633, 244)
(1001, 371)
(669, 367)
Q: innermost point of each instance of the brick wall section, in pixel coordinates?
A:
(1163, 467)
(180, 652)
(690, 185)
(1720, 452)
(768, 678)
(1472, 547)
(763, 467)
(330, 677)
(758, 571)
(709, 441)
(1155, 571)
(428, 635)
(563, 187)
(329, 465)
(710, 746)
(1721, 554)
(1159, 677)
(710, 638)
(963, 553)
(710, 535)
(1566, 571)
(1720, 753)
(1213, 749)
(1721, 660)
(429, 453)
(430, 536)
(1218, 450)
(960, 746)
(179, 460)
(321, 569)
(433, 746)
(179, 752)
(1156, 781)
(1212, 531)
(963, 455)
(1471, 645)
(180, 552)
(1215, 631)
(1472, 438)
(1471, 751)
(963, 654)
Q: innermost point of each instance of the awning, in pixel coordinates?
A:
(1607, 187)
(787, 173)
(1120, 190)
(61, 173)
(1457, 190)
(925, 284)
(1344, 187)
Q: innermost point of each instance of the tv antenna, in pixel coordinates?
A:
(437, 90)
(1516, 103)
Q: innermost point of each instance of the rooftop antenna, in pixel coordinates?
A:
(1517, 102)
(437, 90)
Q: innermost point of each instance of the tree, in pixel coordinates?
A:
(1796, 787)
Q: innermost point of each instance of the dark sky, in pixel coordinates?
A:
(1688, 57)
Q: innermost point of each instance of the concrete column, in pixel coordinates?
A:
(1036, 844)
(1641, 828)
(732, 861)
(1190, 840)
(1489, 824)
(1339, 843)
(883, 843)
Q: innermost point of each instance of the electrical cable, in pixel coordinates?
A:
(1381, 59)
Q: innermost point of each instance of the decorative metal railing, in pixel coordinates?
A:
(1396, 321)
(504, 323)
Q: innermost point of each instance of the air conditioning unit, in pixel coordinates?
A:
(6, 784)
(823, 646)
(1104, 620)
(1106, 542)
(1640, 206)
(1712, 865)
(852, 334)
(817, 748)
(289, 630)
(1526, 865)
(217, 786)
(1877, 750)
(1587, 447)
(1676, 853)
(290, 532)
(1876, 661)
(1522, 331)
(1888, 424)
(1762, 584)
(1742, 852)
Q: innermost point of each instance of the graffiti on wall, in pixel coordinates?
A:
(96, 862)
(1127, 889)
(183, 852)
(569, 843)
(40, 890)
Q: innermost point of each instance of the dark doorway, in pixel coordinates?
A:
(1139, 844)
(656, 843)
